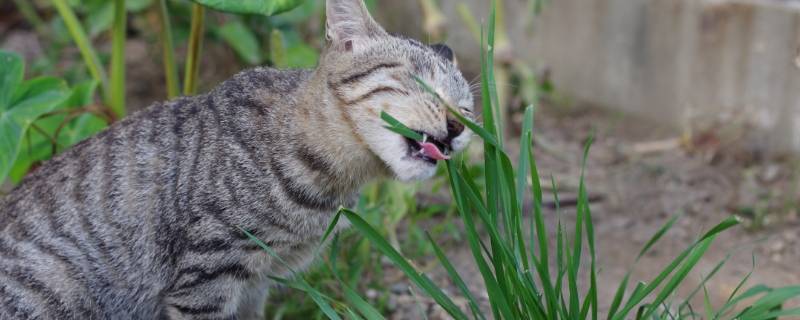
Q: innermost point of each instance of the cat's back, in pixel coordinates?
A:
(97, 221)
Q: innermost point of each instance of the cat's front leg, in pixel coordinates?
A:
(253, 301)
(217, 299)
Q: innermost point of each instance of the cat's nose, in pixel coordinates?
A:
(454, 129)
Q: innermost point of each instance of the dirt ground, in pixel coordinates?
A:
(644, 175)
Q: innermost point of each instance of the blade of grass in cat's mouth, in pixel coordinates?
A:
(421, 145)
(428, 149)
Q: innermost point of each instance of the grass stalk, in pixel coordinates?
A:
(85, 47)
(194, 50)
(28, 10)
(118, 38)
(168, 50)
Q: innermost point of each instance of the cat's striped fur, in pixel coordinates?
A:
(145, 220)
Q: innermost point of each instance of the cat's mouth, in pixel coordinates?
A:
(429, 149)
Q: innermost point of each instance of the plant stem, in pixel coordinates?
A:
(81, 40)
(195, 45)
(118, 37)
(28, 11)
(168, 47)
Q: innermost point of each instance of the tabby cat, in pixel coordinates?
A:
(146, 220)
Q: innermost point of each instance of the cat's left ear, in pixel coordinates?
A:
(349, 21)
(445, 52)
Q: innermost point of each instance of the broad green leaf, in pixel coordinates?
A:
(262, 7)
(82, 94)
(11, 72)
(301, 56)
(138, 5)
(242, 40)
(32, 100)
(99, 20)
(35, 87)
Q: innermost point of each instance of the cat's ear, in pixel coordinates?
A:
(444, 51)
(348, 22)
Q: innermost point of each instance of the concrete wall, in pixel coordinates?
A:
(685, 62)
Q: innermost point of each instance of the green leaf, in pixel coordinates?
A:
(35, 87)
(418, 278)
(11, 72)
(242, 40)
(262, 7)
(138, 5)
(38, 99)
(301, 55)
(99, 20)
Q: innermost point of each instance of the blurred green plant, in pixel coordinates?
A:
(40, 116)
(263, 7)
(255, 36)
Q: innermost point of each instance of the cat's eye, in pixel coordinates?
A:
(466, 112)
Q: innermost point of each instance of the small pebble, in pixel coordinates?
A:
(399, 288)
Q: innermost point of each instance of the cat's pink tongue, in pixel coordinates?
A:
(432, 151)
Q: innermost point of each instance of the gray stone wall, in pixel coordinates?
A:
(690, 63)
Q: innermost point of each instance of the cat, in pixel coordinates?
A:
(147, 219)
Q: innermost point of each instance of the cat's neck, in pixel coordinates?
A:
(328, 147)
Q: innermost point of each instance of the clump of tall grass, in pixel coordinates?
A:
(524, 278)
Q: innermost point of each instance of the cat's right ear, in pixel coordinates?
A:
(348, 22)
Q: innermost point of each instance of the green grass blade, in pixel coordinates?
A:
(657, 236)
(703, 283)
(486, 100)
(524, 158)
(707, 303)
(417, 278)
(319, 299)
(681, 273)
(456, 278)
(196, 36)
(583, 198)
(638, 296)
(774, 315)
(729, 302)
(459, 187)
(474, 127)
(362, 306)
(168, 50)
(88, 52)
(300, 284)
(551, 293)
(399, 128)
(766, 304)
(118, 38)
(747, 294)
(619, 295)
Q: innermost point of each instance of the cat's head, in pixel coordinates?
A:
(370, 71)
